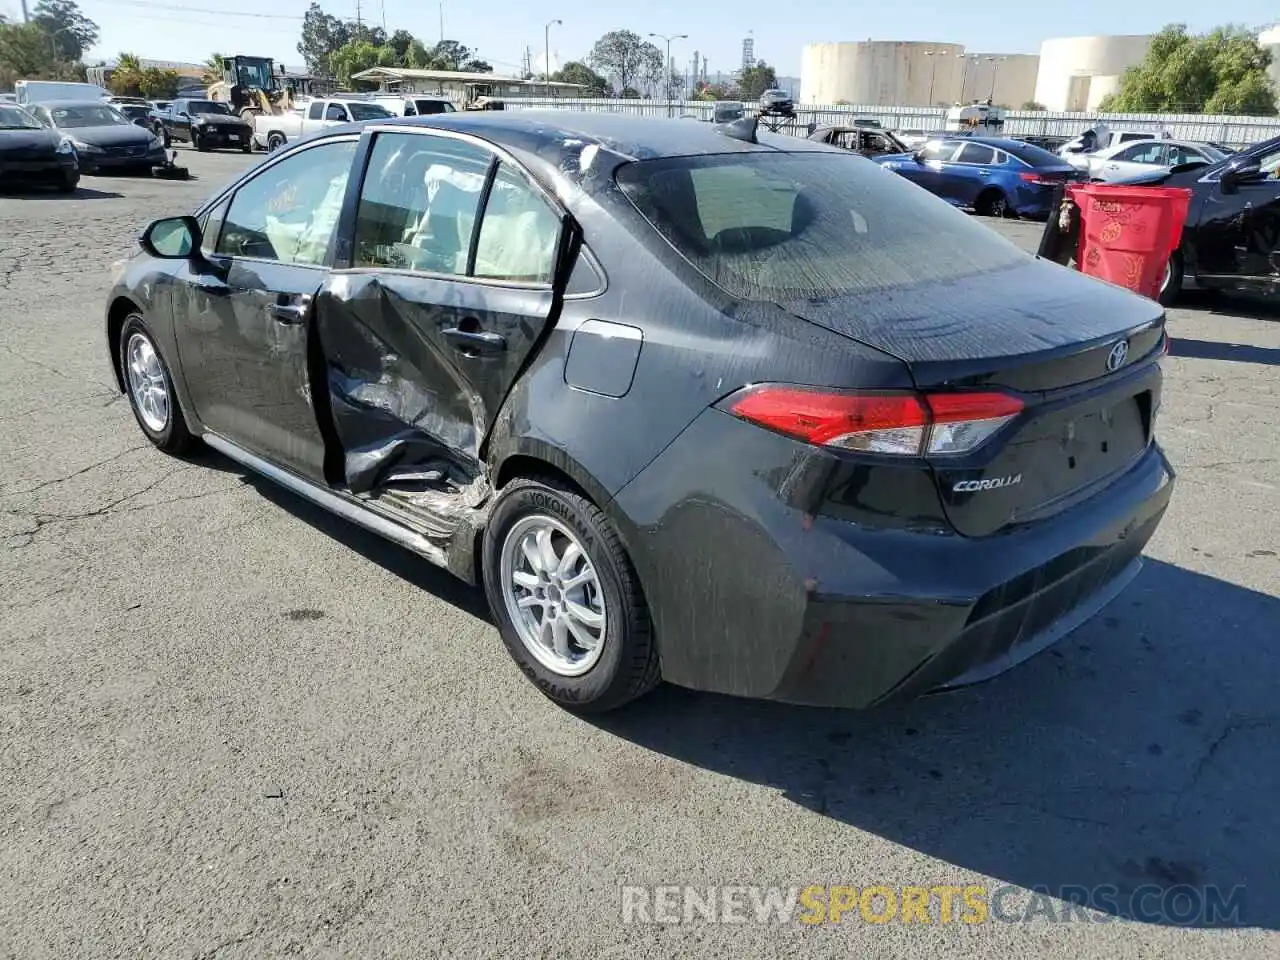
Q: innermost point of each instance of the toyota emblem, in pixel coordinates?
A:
(1118, 355)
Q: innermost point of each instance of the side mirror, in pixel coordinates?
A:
(918, 156)
(173, 238)
(1240, 169)
(141, 121)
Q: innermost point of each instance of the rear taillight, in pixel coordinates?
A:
(1038, 178)
(906, 424)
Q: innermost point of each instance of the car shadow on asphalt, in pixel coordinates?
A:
(395, 559)
(1133, 767)
(1215, 350)
(81, 193)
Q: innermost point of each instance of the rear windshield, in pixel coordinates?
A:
(86, 116)
(779, 227)
(368, 111)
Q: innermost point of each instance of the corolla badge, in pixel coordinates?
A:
(1118, 355)
(994, 483)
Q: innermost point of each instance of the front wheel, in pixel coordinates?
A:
(149, 385)
(566, 598)
(199, 142)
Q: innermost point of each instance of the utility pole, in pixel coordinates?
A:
(359, 21)
(442, 21)
(26, 16)
(384, 16)
(546, 52)
(666, 68)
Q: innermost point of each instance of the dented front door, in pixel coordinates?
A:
(244, 339)
(452, 284)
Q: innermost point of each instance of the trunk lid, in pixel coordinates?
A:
(1045, 334)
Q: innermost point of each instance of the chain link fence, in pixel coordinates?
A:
(1232, 131)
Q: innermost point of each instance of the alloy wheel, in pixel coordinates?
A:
(148, 385)
(553, 595)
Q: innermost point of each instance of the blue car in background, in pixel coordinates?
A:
(994, 176)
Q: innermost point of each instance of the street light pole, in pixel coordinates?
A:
(546, 64)
(933, 74)
(666, 66)
(995, 71)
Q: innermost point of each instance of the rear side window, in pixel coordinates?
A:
(316, 110)
(782, 227)
(976, 153)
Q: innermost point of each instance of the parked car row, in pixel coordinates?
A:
(54, 143)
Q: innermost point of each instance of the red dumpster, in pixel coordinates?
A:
(1128, 233)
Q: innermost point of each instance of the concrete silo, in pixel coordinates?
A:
(1076, 73)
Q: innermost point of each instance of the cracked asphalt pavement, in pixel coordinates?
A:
(232, 726)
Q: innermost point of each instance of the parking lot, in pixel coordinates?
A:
(232, 725)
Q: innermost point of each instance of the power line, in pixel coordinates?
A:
(181, 9)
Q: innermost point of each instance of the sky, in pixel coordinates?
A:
(190, 30)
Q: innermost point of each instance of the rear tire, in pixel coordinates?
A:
(149, 387)
(993, 203)
(587, 567)
(198, 142)
(275, 141)
(69, 183)
(1171, 288)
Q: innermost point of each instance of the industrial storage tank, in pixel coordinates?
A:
(1077, 73)
(882, 73)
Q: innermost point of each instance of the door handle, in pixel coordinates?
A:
(475, 342)
(289, 313)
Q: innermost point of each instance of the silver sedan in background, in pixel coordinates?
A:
(1135, 158)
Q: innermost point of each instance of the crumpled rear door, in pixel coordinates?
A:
(418, 368)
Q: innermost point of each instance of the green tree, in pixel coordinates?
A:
(322, 36)
(756, 80)
(351, 59)
(452, 55)
(71, 32)
(400, 42)
(623, 58)
(417, 57)
(577, 72)
(651, 69)
(212, 68)
(1223, 71)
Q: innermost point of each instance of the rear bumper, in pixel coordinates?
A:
(753, 597)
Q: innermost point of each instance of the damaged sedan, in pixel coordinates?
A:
(691, 402)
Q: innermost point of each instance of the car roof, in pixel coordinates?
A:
(638, 138)
(72, 103)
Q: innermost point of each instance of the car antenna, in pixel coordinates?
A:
(744, 128)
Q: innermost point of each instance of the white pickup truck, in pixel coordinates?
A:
(273, 131)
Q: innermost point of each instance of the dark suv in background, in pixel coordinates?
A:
(777, 103)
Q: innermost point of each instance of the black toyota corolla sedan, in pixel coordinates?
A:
(740, 412)
(32, 155)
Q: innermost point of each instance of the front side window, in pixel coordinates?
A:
(1143, 153)
(938, 150)
(290, 211)
(335, 112)
(316, 110)
(785, 227)
(418, 203)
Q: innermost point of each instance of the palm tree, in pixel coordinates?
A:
(212, 69)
